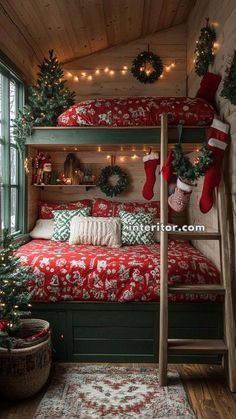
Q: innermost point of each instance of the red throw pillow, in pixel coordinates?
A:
(102, 208)
(208, 87)
(46, 208)
(153, 207)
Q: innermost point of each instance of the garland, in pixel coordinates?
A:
(204, 49)
(185, 169)
(147, 67)
(229, 84)
(105, 185)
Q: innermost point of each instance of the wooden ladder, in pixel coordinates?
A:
(225, 347)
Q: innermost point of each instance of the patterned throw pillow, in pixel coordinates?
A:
(62, 220)
(46, 208)
(136, 228)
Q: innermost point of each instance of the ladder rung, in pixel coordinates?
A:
(195, 346)
(197, 289)
(188, 235)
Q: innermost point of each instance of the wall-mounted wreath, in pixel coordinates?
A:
(204, 49)
(147, 67)
(106, 186)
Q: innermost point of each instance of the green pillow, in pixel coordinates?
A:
(61, 228)
(136, 228)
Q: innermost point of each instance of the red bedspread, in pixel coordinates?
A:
(138, 111)
(97, 273)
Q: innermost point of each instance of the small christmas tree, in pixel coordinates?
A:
(229, 84)
(14, 297)
(49, 98)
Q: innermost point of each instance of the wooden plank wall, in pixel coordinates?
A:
(97, 160)
(223, 13)
(15, 45)
(170, 44)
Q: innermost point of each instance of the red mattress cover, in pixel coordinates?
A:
(138, 111)
(130, 273)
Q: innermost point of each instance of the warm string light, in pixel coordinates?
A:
(123, 71)
(108, 71)
(215, 48)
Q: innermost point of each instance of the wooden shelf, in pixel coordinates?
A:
(87, 187)
(196, 346)
(188, 235)
(197, 289)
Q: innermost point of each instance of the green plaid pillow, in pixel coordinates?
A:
(61, 228)
(136, 228)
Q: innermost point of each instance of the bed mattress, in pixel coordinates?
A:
(96, 273)
(138, 111)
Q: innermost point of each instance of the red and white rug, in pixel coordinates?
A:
(94, 392)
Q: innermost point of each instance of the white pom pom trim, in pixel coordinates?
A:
(221, 126)
(184, 186)
(151, 156)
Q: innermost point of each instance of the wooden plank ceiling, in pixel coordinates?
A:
(77, 28)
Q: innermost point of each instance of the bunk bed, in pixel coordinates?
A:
(108, 330)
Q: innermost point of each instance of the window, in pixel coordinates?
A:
(11, 161)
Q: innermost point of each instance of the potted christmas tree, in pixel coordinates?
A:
(25, 345)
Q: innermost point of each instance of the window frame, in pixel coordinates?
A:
(8, 74)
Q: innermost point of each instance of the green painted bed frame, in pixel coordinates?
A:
(128, 332)
(113, 135)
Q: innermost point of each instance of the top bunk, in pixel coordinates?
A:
(114, 135)
(134, 120)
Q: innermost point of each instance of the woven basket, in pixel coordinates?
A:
(32, 332)
(23, 372)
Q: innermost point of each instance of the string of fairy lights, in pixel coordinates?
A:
(89, 75)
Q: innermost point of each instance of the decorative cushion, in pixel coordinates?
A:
(99, 231)
(208, 87)
(62, 220)
(105, 208)
(102, 208)
(43, 229)
(46, 208)
(148, 207)
(137, 228)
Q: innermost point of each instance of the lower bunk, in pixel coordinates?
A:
(102, 303)
(126, 332)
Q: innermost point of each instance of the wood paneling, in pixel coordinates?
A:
(15, 45)
(97, 160)
(75, 28)
(223, 13)
(170, 44)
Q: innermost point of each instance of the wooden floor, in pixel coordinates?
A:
(205, 385)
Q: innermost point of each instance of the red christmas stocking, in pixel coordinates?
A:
(167, 169)
(217, 143)
(150, 164)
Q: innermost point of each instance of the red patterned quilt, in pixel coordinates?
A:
(96, 273)
(138, 111)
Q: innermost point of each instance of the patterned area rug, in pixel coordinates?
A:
(94, 392)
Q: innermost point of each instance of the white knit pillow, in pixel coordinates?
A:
(99, 231)
(43, 229)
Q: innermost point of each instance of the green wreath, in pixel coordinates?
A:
(106, 186)
(185, 169)
(204, 49)
(140, 63)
